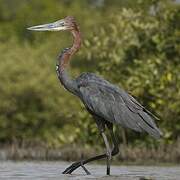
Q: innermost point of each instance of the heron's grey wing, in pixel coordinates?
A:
(115, 105)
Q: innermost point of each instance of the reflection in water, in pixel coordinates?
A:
(52, 170)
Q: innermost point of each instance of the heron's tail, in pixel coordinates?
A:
(149, 126)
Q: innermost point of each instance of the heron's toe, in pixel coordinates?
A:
(71, 168)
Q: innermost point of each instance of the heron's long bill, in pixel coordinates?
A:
(55, 26)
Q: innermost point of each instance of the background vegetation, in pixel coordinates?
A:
(134, 44)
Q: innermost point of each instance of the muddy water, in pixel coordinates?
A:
(52, 170)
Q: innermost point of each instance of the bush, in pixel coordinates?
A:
(140, 53)
(136, 48)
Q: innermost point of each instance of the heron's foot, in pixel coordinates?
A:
(71, 168)
(74, 166)
(87, 172)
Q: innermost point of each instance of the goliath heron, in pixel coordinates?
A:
(107, 103)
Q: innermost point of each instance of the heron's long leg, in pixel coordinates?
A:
(108, 153)
(76, 165)
(114, 140)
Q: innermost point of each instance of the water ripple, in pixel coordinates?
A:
(52, 170)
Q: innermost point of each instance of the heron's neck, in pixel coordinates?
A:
(63, 62)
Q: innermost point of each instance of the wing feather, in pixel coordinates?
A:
(115, 105)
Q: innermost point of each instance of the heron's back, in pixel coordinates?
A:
(115, 105)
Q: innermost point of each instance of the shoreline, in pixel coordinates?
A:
(129, 155)
(53, 170)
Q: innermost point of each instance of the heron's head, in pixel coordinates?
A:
(67, 23)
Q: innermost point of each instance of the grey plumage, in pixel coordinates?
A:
(114, 105)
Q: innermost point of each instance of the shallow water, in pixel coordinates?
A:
(52, 170)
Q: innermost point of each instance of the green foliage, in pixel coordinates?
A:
(33, 108)
(141, 53)
(136, 48)
(31, 103)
